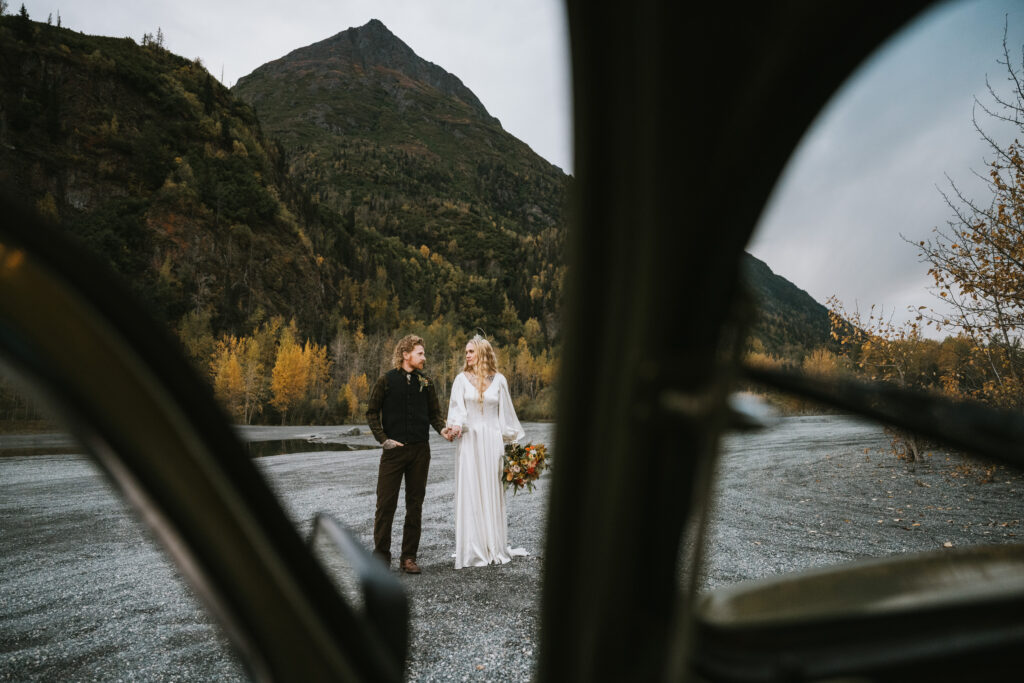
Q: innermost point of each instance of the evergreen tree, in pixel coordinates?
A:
(208, 94)
(23, 25)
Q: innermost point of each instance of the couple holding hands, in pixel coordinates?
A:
(403, 406)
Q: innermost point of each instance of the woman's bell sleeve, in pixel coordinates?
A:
(457, 403)
(511, 430)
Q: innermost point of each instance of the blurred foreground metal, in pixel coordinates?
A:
(124, 388)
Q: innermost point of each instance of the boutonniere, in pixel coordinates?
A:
(424, 382)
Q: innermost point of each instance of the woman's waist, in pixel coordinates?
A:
(480, 427)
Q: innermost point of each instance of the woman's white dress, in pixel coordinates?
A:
(480, 524)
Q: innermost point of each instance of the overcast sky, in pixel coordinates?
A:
(873, 164)
(513, 55)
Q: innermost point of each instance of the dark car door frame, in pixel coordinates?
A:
(685, 116)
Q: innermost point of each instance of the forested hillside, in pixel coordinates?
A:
(350, 193)
(148, 160)
(411, 158)
(789, 323)
(152, 164)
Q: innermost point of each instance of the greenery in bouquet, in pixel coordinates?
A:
(523, 465)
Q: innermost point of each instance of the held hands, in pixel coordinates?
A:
(452, 432)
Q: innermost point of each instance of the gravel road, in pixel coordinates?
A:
(84, 599)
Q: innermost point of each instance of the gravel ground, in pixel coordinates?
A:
(464, 627)
(83, 599)
(86, 595)
(819, 491)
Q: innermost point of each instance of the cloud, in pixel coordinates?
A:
(871, 167)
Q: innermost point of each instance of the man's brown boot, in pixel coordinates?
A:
(409, 566)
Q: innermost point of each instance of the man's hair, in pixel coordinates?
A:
(405, 345)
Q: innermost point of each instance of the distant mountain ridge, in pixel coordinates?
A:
(789, 321)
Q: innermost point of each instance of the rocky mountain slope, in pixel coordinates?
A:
(408, 154)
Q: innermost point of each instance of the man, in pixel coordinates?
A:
(402, 408)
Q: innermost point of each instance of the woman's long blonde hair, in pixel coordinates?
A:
(486, 366)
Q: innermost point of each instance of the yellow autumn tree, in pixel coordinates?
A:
(548, 368)
(239, 379)
(348, 404)
(318, 375)
(977, 260)
(254, 381)
(821, 362)
(534, 334)
(355, 395)
(228, 383)
(360, 387)
(289, 378)
(527, 376)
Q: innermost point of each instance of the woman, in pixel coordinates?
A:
(480, 413)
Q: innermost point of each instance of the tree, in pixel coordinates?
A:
(254, 381)
(886, 351)
(509, 326)
(360, 387)
(23, 25)
(157, 41)
(207, 95)
(977, 260)
(821, 362)
(289, 378)
(318, 374)
(534, 334)
(238, 376)
(194, 331)
(229, 384)
(348, 406)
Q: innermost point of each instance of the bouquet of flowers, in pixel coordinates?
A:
(523, 465)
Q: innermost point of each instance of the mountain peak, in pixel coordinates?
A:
(373, 39)
(375, 26)
(372, 45)
(371, 52)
